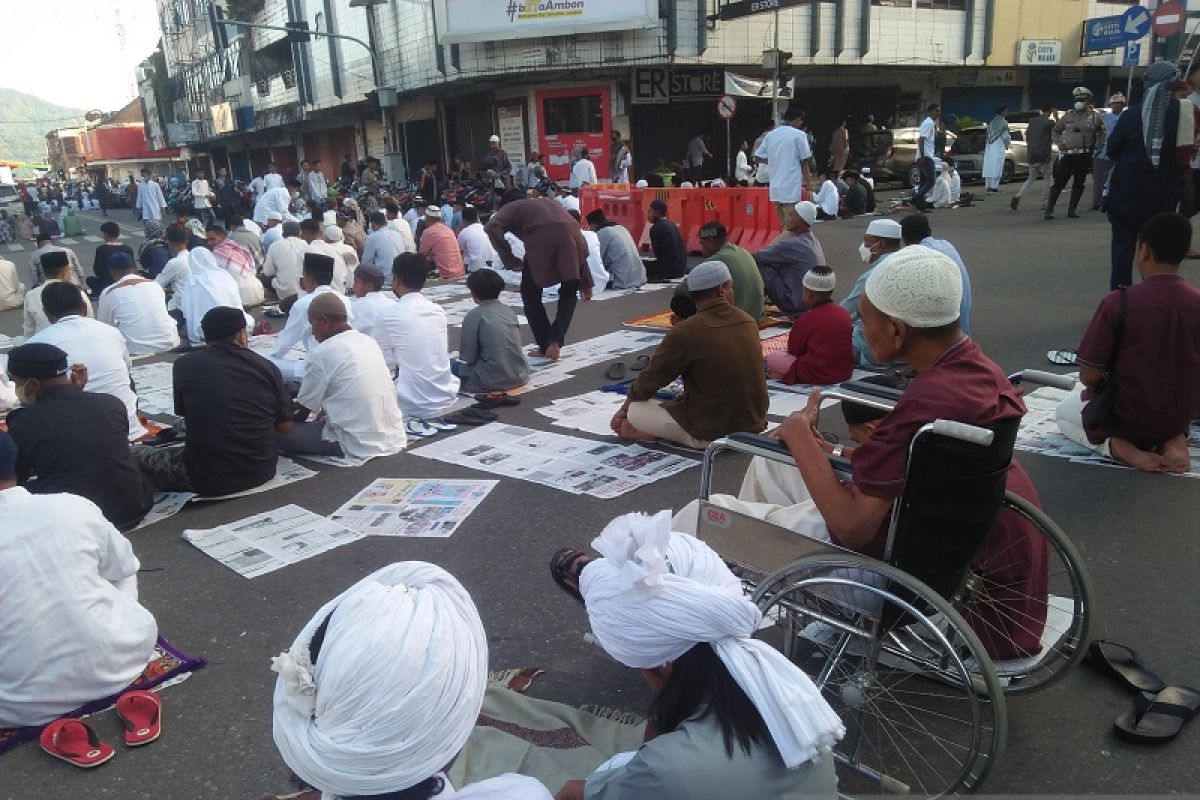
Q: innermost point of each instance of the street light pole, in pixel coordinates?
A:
(775, 116)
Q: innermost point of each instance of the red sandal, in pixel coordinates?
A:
(141, 714)
(75, 743)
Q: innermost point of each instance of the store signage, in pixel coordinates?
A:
(665, 84)
(1039, 52)
(498, 20)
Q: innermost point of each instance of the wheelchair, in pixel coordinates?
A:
(902, 646)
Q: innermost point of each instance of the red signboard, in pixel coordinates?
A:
(569, 120)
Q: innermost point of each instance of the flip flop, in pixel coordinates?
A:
(1063, 358)
(471, 416)
(416, 427)
(1162, 719)
(141, 713)
(76, 743)
(496, 400)
(1124, 664)
(640, 363)
(560, 570)
(440, 424)
(615, 372)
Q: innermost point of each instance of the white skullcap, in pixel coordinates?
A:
(642, 184)
(815, 282)
(687, 185)
(708, 275)
(918, 286)
(329, 217)
(807, 211)
(493, 138)
(397, 685)
(274, 215)
(334, 234)
(433, 211)
(656, 594)
(884, 229)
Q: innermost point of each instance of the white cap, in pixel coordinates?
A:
(918, 286)
(884, 229)
(807, 211)
(687, 185)
(865, 170)
(708, 275)
(433, 211)
(642, 184)
(824, 281)
(274, 216)
(494, 138)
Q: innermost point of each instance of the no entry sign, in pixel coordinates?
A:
(727, 106)
(1169, 19)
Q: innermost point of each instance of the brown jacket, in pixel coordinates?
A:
(717, 351)
(555, 250)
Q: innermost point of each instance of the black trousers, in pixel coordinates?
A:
(1072, 165)
(1124, 242)
(546, 333)
(925, 167)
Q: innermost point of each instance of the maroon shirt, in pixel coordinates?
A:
(1158, 361)
(821, 341)
(965, 386)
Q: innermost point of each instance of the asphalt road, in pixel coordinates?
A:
(1035, 287)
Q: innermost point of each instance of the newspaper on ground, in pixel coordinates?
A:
(591, 412)
(413, 507)
(587, 353)
(286, 471)
(155, 387)
(568, 463)
(166, 504)
(264, 343)
(266, 542)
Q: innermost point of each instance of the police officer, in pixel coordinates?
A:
(1079, 134)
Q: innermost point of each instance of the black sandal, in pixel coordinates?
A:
(568, 564)
(1124, 665)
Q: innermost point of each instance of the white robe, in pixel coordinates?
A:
(71, 628)
(207, 287)
(150, 200)
(993, 157)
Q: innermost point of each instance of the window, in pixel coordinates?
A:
(943, 5)
(893, 3)
(573, 115)
(1017, 136)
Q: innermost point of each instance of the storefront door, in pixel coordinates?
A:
(570, 120)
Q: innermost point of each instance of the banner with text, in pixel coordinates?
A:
(497, 20)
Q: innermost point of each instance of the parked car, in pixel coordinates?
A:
(968, 153)
(10, 199)
(891, 154)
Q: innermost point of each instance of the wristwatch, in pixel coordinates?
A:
(838, 449)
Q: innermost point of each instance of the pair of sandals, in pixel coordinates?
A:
(426, 428)
(618, 371)
(489, 400)
(1159, 711)
(73, 741)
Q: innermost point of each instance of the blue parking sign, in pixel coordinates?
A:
(1133, 54)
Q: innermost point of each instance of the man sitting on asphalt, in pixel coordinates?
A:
(73, 440)
(238, 262)
(883, 238)
(384, 243)
(98, 347)
(914, 229)
(102, 276)
(318, 274)
(313, 233)
(860, 198)
(272, 231)
(667, 245)
(240, 232)
(207, 287)
(137, 307)
(73, 631)
(373, 296)
(718, 354)
(57, 269)
(233, 402)
(45, 245)
(439, 245)
(347, 380)
(618, 252)
(1146, 339)
(401, 225)
(412, 335)
(474, 245)
(336, 240)
(285, 262)
(782, 263)
(747, 280)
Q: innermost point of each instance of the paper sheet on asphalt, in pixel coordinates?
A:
(413, 507)
(166, 505)
(286, 471)
(269, 541)
(590, 412)
(568, 463)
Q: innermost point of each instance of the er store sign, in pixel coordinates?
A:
(1039, 52)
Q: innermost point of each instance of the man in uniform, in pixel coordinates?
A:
(1079, 134)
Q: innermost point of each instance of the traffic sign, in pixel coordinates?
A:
(1135, 23)
(1133, 54)
(727, 107)
(1169, 19)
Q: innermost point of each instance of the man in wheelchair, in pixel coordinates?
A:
(910, 310)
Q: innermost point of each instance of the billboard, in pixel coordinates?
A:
(498, 20)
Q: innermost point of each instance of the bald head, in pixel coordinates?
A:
(327, 316)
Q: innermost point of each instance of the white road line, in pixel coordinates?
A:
(13, 247)
(68, 240)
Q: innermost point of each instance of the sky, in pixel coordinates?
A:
(68, 51)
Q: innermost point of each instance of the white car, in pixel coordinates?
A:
(10, 199)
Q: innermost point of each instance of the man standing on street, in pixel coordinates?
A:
(316, 185)
(619, 159)
(697, 151)
(150, 201)
(202, 196)
(786, 152)
(1102, 165)
(998, 139)
(1039, 140)
(555, 252)
(583, 173)
(1079, 134)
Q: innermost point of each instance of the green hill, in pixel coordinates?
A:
(24, 121)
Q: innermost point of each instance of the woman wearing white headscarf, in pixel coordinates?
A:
(732, 717)
(208, 286)
(381, 689)
(1146, 176)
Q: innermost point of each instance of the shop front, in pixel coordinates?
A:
(569, 120)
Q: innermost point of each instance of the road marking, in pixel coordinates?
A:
(93, 238)
(13, 247)
(68, 240)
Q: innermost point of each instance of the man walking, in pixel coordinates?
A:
(1079, 134)
(786, 152)
(1039, 138)
(150, 201)
(1102, 165)
(998, 139)
(555, 252)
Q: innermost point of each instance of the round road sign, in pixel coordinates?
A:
(1169, 19)
(727, 106)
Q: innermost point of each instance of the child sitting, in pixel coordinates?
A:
(819, 347)
(490, 354)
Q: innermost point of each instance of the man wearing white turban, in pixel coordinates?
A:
(733, 717)
(208, 286)
(381, 689)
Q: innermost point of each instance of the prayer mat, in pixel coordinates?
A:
(662, 321)
(775, 344)
(169, 666)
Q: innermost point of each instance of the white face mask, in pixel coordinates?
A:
(864, 253)
(1080, 105)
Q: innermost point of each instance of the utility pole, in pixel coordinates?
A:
(776, 117)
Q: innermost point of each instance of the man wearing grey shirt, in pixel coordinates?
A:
(490, 355)
(618, 251)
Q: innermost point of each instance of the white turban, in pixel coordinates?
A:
(656, 594)
(396, 689)
(918, 286)
(334, 234)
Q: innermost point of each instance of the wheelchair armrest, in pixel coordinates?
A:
(1042, 378)
(756, 444)
(960, 431)
(874, 389)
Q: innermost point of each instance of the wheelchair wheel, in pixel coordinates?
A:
(923, 708)
(1052, 625)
